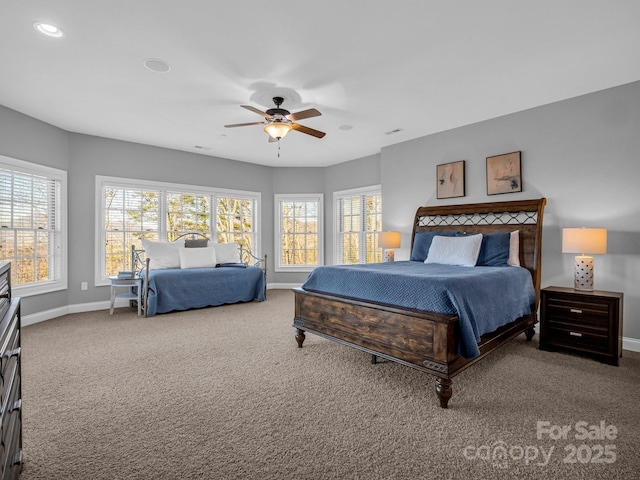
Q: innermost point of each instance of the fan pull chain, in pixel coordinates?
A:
(278, 148)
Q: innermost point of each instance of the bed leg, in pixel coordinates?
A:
(374, 359)
(444, 391)
(300, 337)
(529, 333)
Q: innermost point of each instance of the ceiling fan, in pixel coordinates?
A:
(278, 121)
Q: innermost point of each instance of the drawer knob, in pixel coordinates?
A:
(575, 334)
(575, 310)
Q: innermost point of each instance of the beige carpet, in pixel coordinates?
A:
(224, 393)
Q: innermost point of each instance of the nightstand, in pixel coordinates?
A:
(588, 322)
(133, 290)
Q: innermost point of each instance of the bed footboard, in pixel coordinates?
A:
(421, 340)
(417, 339)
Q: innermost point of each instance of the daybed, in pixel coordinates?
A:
(456, 331)
(193, 278)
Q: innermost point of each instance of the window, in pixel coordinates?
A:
(298, 232)
(33, 227)
(131, 210)
(358, 221)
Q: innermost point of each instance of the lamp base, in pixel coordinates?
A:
(388, 255)
(583, 273)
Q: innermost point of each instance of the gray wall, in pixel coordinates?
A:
(581, 154)
(26, 138)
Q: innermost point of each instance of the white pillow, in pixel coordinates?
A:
(197, 257)
(462, 251)
(162, 254)
(227, 252)
(514, 249)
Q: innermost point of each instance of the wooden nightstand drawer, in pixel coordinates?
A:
(592, 313)
(578, 338)
(582, 321)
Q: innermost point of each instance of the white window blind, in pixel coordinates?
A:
(32, 225)
(358, 221)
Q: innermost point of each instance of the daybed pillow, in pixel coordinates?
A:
(197, 257)
(196, 243)
(227, 252)
(514, 249)
(455, 250)
(494, 251)
(162, 254)
(422, 242)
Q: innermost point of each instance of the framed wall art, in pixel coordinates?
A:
(450, 180)
(504, 174)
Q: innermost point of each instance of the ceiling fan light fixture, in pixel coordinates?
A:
(277, 129)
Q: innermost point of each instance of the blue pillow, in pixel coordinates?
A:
(422, 242)
(494, 251)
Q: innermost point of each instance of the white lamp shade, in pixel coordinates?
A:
(389, 239)
(277, 129)
(584, 240)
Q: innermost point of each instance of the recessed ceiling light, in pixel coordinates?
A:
(345, 127)
(157, 65)
(48, 29)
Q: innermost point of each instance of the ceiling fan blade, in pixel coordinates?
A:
(312, 112)
(255, 110)
(307, 130)
(244, 124)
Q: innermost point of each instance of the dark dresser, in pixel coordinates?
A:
(587, 322)
(10, 389)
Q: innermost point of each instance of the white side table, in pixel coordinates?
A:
(130, 294)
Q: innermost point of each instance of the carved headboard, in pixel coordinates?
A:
(522, 215)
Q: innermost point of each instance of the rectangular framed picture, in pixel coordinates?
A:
(450, 180)
(504, 174)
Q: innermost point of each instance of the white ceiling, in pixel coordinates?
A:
(420, 66)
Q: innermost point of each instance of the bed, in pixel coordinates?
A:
(437, 340)
(169, 287)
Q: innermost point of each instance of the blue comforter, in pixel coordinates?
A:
(484, 298)
(182, 289)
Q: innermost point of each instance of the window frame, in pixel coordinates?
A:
(60, 211)
(292, 197)
(342, 194)
(103, 182)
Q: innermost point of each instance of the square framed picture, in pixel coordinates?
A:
(504, 174)
(450, 180)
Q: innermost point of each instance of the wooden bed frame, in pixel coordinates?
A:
(420, 339)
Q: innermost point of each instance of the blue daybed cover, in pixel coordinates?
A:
(182, 289)
(484, 298)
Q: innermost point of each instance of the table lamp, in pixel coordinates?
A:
(388, 241)
(584, 241)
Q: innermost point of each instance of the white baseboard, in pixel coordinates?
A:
(631, 344)
(76, 308)
(283, 286)
(103, 305)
